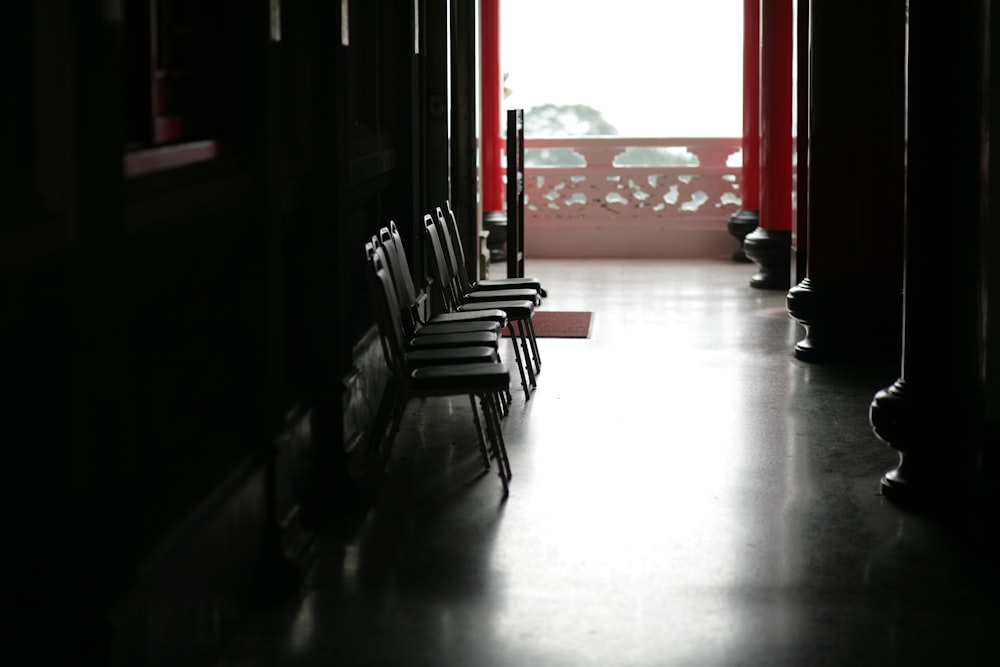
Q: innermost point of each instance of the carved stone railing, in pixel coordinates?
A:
(614, 178)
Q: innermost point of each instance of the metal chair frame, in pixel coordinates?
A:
(487, 381)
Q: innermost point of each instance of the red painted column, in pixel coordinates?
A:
(746, 219)
(776, 115)
(493, 189)
(770, 245)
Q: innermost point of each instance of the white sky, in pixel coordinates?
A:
(670, 68)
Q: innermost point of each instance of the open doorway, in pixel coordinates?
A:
(633, 124)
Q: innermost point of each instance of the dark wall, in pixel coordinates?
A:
(175, 344)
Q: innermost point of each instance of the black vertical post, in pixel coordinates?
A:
(515, 193)
(932, 414)
(464, 116)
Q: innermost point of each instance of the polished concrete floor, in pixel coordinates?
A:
(685, 492)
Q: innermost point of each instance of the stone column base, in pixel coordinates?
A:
(741, 223)
(772, 252)
(939, 444)
(847, 322)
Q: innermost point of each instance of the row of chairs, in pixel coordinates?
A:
(455, 352)
(518, 297)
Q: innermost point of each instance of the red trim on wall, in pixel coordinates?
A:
(141, 162)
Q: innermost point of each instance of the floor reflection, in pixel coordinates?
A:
(685, 492)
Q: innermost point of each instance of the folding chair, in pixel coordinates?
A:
(487, 381)
(438, 337)
(399, 269)
(450, 224)
(471, 293)
(518, 311)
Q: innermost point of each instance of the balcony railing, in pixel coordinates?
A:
(622, 196)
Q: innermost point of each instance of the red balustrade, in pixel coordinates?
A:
(614, 201)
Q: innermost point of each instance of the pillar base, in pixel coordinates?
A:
(939, 448)
(741, 223)
(772, 252)
(847, 322)
(933, 487)
(495, 222)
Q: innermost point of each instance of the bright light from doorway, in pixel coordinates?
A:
(668, 68)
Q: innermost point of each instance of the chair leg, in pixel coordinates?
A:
(534, 346)
(520, 363)
(527, 353)
(500, 440)
(480, 433)
(504, 406)
(496, 438)
(505, 398)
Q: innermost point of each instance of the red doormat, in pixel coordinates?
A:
(561, 323)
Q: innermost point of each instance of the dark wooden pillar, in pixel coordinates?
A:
(800, 194)
(770, 244)
(850, 301)
(932, 414)
(434, 78)
(328, 179)
(89, 564)
(465, 169)
(991, 281)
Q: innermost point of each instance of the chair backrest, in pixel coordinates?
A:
(439, 263)
(399, 271)
(390, 327)
(453, 245)
(399, 266)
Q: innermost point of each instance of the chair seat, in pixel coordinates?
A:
(459, 327)
(490, 314)
(457, 355)
(485, 377)
(502, 295)
(516, 310)
(451, 340)
(508, 283)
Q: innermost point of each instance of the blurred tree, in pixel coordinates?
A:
(565, 120)
(562, 120)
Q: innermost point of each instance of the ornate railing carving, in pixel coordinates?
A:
(604, 179)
